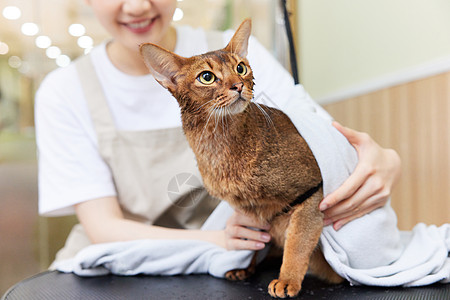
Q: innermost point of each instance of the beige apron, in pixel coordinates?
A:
(155, 172)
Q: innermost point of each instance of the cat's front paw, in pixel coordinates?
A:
(283, 288)
(238, 274)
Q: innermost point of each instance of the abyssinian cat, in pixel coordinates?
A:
(248, 154)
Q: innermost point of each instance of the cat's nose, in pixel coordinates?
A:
(237, 87)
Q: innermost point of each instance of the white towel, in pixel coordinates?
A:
(369, 251)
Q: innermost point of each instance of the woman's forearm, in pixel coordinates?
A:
(123, 230)
(104, 222)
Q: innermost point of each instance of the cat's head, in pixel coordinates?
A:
(216, 82)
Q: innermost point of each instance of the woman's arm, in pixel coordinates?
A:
(370, 184)
(104, 222)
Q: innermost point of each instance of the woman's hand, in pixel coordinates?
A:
(370, 184)
(244, 233)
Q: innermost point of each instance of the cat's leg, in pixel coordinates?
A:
(302, 236)
(242, 274)
(319, 267)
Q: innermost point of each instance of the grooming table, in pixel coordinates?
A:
(54, 285)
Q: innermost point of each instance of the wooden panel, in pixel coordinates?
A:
(413, 119)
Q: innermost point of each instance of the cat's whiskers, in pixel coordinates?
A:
(211, 112)
(201, 106)
(230, 114)
(215, 118)
(265, 114)
(223, 123)
(217, 111)
(226, 119)
(221, 114)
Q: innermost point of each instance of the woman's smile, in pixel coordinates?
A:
(140, 26)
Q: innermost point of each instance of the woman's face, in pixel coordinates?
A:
(132, 22)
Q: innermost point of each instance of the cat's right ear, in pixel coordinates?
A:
(163, 64)
(239, 42)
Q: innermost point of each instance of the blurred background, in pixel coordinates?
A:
(377, 66)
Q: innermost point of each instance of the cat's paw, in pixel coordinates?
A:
(283, 288)
(238, 274)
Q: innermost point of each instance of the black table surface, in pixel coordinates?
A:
(54, 285)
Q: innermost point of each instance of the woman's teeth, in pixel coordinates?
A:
(140, 25)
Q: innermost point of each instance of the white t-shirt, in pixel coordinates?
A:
(71, 169)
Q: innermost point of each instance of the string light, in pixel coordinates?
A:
(63, 60)
(85, 42)
(4, 48)
(87, 50)
(30, 29)
(43, 41)
(14, 62)
(25, 68)
(12, 12)
(178, 15)
(77, 30)
(53, 52)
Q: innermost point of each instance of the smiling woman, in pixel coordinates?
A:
(75, 23)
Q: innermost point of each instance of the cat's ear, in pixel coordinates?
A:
(239, 42)
(163, 64)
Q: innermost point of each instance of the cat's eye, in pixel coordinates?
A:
(206, 77)
(241, 69)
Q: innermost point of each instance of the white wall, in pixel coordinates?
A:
(346, 44)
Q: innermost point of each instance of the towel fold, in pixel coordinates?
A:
(367, 251)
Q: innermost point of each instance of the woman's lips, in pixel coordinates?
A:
(141, 26)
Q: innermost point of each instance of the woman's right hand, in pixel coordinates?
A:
(245, 233)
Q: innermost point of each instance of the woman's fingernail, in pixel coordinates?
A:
(260, 245)
(265, 237)
(323, 206)
(327, 222)
(337, 226)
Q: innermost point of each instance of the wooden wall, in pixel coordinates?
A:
(413, 119)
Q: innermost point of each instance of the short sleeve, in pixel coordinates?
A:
(71, 169)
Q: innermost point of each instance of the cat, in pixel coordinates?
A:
(248, 154)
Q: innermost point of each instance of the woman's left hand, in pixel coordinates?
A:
(370, 184)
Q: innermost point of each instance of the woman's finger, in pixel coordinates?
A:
(239, 244)
(341, 222)
(352, 203)
(239, 232)
(354, 137)
(344, 215)
(245, 233)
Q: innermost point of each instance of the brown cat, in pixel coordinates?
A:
(248, 154)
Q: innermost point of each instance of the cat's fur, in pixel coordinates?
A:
(248, 154)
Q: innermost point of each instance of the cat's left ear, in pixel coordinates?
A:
(239, 42)
(163, 64)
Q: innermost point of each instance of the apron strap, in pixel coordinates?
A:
(214, 39)
(95, 98)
